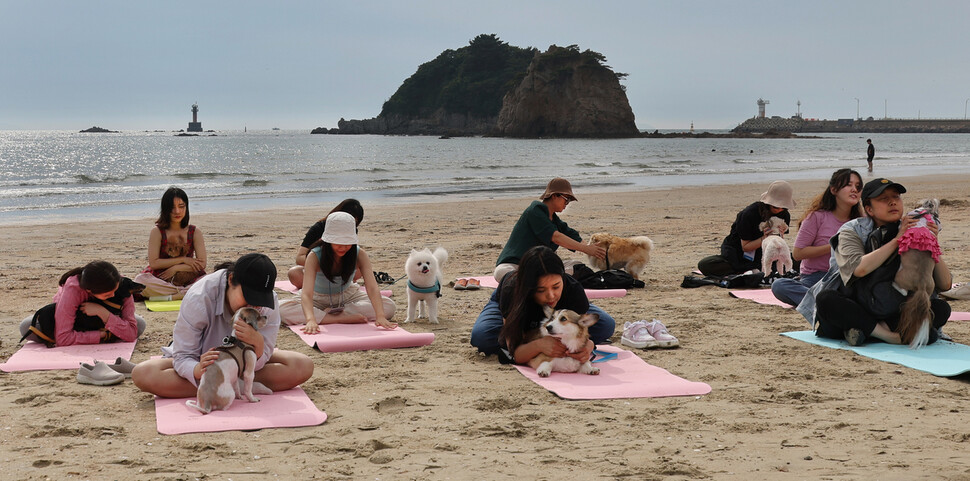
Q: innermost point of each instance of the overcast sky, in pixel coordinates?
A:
(133, 65)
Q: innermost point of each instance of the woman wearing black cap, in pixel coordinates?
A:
(205, 319)
(540, 226)
(865, 253)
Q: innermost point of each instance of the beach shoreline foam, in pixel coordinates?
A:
(443, 411)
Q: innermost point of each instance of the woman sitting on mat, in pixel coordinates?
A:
(832, 208)
(540, 226)
(205, 319)
(329, 294)
(93, 305)
(176, 250)
(866, 252)
(741, 249)
(350, 206)
(516, 308)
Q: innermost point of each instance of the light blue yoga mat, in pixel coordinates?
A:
(942, 358)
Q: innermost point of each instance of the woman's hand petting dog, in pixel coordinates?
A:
(552, 347)
(205, 360)
(246, 333)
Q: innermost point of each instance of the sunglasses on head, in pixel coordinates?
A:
(565, 197)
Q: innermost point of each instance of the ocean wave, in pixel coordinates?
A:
(255, 183)
(93, 179)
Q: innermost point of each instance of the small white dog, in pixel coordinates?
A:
(231, 376)
(423, 269)
(774, 248)
(628, 253)
(572, 330)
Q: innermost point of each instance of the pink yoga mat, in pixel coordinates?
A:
(361, 337)
(284, 409)
(35, 356)
(761, 296)
(959, 316)
(489, 281)
(288, 287)
(626, 376)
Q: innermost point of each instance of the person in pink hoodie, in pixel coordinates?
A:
(88, 309)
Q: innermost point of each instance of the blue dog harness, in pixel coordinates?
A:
(436, 288)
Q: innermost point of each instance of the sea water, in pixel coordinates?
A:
(52, 176)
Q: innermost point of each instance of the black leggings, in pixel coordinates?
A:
(837, 313)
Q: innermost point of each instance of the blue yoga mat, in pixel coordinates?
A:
(942, 358)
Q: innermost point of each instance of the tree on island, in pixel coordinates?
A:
(470, 81)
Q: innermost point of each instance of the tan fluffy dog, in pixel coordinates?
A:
(628, 253)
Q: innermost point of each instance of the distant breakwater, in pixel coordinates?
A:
(870, 125)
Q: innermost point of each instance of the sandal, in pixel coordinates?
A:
(473, 284)
(383, 278)
(461, 284)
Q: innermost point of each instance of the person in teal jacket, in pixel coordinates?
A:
(539, 225)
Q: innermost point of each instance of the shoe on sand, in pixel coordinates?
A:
(473, 285)
(959, 292)
(123, 366)
(635, 334)
(461, 284)
(99, 374)
(659, 332)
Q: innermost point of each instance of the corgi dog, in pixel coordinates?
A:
(572, 330)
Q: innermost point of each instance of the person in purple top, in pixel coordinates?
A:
(838, 204)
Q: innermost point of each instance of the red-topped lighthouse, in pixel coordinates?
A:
(195, 125)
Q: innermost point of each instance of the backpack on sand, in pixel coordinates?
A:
(605, 279)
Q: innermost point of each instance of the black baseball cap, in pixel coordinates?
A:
(257, 276)
(875, 187)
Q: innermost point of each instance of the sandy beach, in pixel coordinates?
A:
(779, 408)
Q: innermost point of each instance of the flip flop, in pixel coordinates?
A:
(461, 284)
(473, 285)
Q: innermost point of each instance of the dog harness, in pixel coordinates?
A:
(436, 288)
(237, 350)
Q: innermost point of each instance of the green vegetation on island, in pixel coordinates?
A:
(471, 80)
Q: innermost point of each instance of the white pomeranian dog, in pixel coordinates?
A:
(425, 278)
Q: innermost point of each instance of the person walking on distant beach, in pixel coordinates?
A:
(870, 153)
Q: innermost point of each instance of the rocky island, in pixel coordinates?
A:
(98, 130)
(492, 88)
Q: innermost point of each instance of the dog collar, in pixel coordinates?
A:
(425, 290)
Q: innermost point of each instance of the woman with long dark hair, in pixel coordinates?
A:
(329, 294)
(838, 204)
(515, 308)
(176, 249)
(313, 234)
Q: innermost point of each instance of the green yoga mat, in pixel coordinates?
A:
(163, 306)
(942, 358)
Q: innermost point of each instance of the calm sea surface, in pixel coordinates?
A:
(53, 176)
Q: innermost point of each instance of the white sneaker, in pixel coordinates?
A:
(635, 334)
(659, 332)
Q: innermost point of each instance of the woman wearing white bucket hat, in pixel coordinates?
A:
(329, 294)
(741, 249)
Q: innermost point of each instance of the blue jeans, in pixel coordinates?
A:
(489, 324)
(792, 291)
